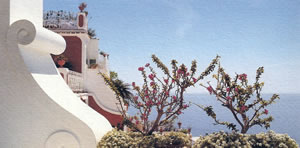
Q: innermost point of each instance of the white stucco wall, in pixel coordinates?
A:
(37, 108)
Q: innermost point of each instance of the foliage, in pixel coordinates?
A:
(242, 99)
(261, 140)
(124, 89)
(113, 75)
(122, 139)
(92, 33)
(155, 94)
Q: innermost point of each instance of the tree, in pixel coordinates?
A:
(162, 95)
(240, 98)
(123, 88)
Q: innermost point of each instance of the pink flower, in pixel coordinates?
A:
(152, 83)
(151, 76)
(236, 89)
(179, 112)
(167, 93)
(228, 89)
(243, 76)
(210, 89)
(166, 81)
(187, 74)
(185, 106)
(137, 122)
(135, 98)
(133, 84)
(266, 111)
(195, 80)
(154, 91)
(158, 103)
(179, 71)
(244, 108)
(141, 68)
(174, 98)
(228, 98)
(147, 65)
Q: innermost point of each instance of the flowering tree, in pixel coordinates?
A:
(162, 95)
(237, 96)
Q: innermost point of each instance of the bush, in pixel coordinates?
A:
(261, 140)
(122, 139)
(115, 138)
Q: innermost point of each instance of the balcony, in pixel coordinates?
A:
(73, 79)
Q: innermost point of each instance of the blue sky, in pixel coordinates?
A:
(246, 34)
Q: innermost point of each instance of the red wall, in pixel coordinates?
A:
(74, 52)
(112, 118)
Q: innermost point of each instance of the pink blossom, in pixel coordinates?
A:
(244, 108)
(228, 98)
(266, 111)
(147, 65)
(173, 80)
(151, 76)
(210, 89)
(243, 76)
(152, 83)
(167, 93)
(195, 80)
(135, 98)
(141, 68)
(187, 74)
(179, 112)
(154, 91)
(158, 103)
(155, 98)
(174, 98)
(137, 122)
(228, 89)
(185, 106)
(166, 81)
(236, 89)
(133, 84)
(179, 71)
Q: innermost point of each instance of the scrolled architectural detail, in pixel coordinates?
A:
(62, 139)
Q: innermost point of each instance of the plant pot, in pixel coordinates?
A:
(61, 63)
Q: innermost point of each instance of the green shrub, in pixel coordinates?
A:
(122, 139)
(271, 139)
(261, 140)
(114, 139)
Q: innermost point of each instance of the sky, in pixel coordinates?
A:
(246, 34)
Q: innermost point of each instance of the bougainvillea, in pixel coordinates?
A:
(162, 95)
(243, 100)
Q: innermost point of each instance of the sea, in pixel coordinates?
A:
(286, 114)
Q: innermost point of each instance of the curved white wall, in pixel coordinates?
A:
(37, 108)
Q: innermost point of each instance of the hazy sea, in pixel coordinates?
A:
(286, 114)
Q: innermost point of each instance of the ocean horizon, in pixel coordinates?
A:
(285, 113)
